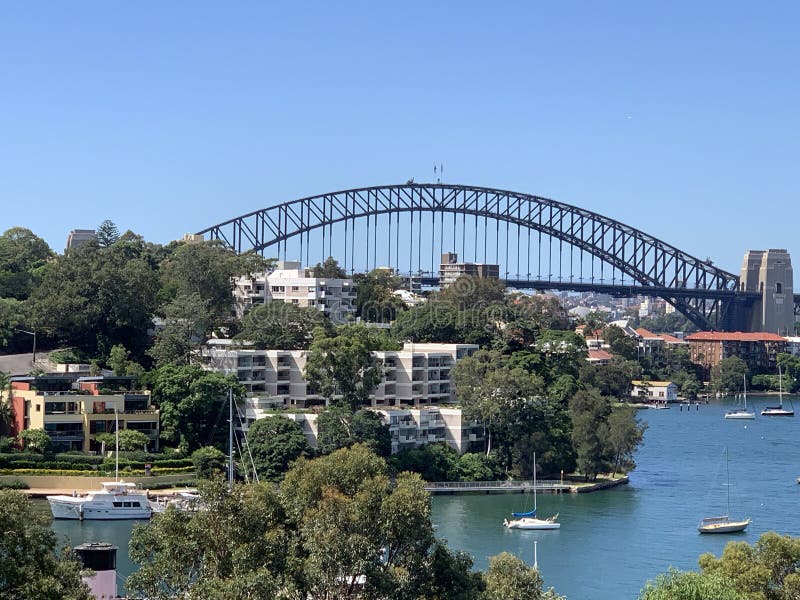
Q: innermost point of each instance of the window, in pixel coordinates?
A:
(295, 288)
(778, 288)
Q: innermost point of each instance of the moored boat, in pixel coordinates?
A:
(117, 500)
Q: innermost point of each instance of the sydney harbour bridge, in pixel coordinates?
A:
(539, 243)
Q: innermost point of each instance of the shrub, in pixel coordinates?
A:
(13, 484)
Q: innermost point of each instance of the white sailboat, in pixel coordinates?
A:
(742, 412)
(778, 411)
(116, 500)
(724, 524)
(529, 520)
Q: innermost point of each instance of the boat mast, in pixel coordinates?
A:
(744, 385)
(230, 439)
(780, 386)
(534, 484)
(728, 477)
(116, 448)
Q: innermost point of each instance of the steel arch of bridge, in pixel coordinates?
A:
(647, 260)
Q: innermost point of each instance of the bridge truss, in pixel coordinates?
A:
(571, 248)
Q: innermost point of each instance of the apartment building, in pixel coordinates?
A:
(273, 376)
(417, 375)
(409, 428)
(758, 349)
(450, 269)
(336, 298)
(73, 410)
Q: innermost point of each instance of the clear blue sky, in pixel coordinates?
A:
(678, 118)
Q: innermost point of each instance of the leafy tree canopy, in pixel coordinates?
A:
(193, 405)
(30, 568)
(275, 443)
(329, 269)
(282, 326)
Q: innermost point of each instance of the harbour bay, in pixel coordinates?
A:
(612, 541)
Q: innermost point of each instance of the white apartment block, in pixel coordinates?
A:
(336, 298)
(409, 428)
(418, 375)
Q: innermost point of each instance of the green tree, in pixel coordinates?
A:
(625, 435)
(187, 319)
(476, 466)
(131, 439)
(339, 427)
(375, 300)
(677, 585)
(29, 568)
(441, 322)
(589, 431)
(193, 405)
(94, 298)
(36, 440)
(469, 293)
(118, 360)
(342, 368)
(329, 269)
(12, 314)
(282, 326)
(275, 443)
(433, 462)
(205, 270)
(508, 578)
(728, 374)
(236, 547)
(620, 343)
(209, 462)
(107, 234)
(22, 256)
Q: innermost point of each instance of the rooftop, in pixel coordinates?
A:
(735, 336)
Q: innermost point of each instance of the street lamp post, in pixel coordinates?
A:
(33, 333)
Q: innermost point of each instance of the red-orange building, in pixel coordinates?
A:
(758, 349)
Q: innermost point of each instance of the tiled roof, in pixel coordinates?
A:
(736, 336)
(600, 355)
(651, 383)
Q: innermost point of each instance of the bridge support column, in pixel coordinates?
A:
(769, 272)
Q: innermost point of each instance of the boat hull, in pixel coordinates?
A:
(740, 415)
(529, 523)
(777, 412)
(723, 526)
(67, 507)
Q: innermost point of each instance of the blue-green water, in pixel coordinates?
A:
(611, 542)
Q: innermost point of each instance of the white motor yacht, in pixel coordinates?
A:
(117, 500)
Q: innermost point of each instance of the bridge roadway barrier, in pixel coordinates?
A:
(497, 487)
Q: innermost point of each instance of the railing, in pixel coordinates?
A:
(480, 486)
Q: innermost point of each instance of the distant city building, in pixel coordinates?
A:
(78, 237)
(336, 298)
(450, 269)
(192, 238)
(74, 409)
(758, 349)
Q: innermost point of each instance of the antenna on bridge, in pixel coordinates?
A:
(441, 172)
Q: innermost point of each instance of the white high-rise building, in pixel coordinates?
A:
(336, 298)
